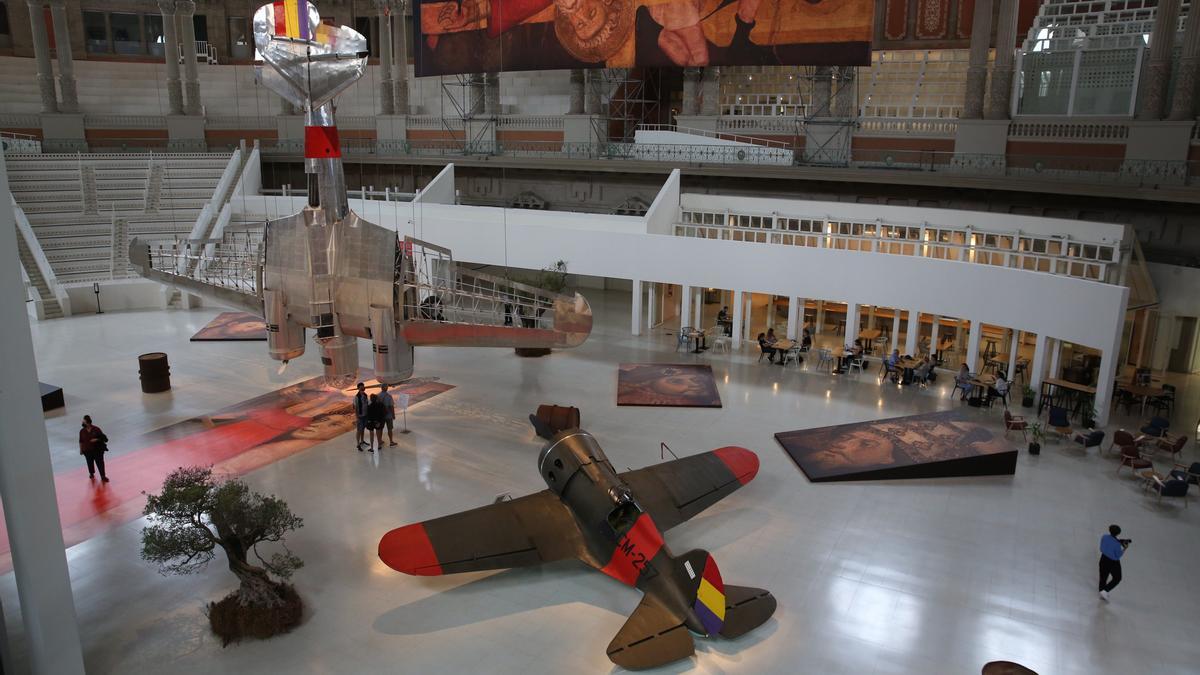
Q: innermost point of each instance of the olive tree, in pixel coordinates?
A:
(195, 514)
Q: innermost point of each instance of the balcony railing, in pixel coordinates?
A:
(1033, 262)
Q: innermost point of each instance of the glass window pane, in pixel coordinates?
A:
(126, 32)
(154, 33)
(95, 32)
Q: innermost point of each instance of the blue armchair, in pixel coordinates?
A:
(1092, 440)
(1157, 426)
(1172, 487)
(1191, 474)
(1059, 421)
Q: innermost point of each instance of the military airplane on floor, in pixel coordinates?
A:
(613, 522)
(327, 269)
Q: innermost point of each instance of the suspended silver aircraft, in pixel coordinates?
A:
(329, 270)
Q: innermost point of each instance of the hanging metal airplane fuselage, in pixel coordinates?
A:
(327, 270)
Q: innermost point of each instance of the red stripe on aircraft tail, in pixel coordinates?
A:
(321, 143)
(408, 549)
(742, 462)
(280, 13)
(637, 548)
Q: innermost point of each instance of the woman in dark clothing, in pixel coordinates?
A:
(92, 445)
(376, 414)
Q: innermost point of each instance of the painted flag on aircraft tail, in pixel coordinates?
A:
(291, 19)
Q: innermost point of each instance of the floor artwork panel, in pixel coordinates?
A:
(934, 445)
(232, 326)
(667, 384)
(235, 440)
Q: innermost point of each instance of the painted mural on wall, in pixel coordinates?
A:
(475, 36)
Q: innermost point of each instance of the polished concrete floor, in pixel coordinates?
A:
(925, 576)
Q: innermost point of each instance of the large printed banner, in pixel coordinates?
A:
(476, 36)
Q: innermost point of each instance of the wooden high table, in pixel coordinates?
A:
(1144, 392)
(1066, 392)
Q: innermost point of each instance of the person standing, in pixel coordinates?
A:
(92, 445)
(360, 415)
(389, 406)
(376, 412)
(1111, 550)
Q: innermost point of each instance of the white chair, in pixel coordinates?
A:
(856, 364)
(683, 338)
(719, 339)
(824, 357)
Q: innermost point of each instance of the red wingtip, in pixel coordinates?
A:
(408, 549)
(742, 462)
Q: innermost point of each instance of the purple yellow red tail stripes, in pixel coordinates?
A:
(291, 19)
(710, 598)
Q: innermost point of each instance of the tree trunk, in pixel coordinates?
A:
(257, 589)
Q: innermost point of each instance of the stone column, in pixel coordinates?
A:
(819, 321)
(981, 35)
(187, 34)
(685, 306)
(475, 95)
(1183, 105)
(737, 319)
(578, 87)
(491, 94)
(698, 309)
(1038, 369)
(896, 328)
(1152, 100)
(747, 321)
(691, 92)
(652, 300)
(822, 95)
(43, 580)
(593, 92)
(1055, 357)
(1012, 356)
(41, 52)
(710, 91)
(1002, 69)
(636, 325)
(933, 336)
(171, 56)
(66, 69)
(387, 101)
(853, 310)
(973, 345)
(912, 339)
(791, 320)
(400, 67)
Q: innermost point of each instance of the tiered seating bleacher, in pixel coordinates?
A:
(75, 227)
(925, 84)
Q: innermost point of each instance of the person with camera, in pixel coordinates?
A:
(1111, 550)
(92, 445)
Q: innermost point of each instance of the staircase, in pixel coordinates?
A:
(88, 190)
(50, 305)
(120, 247)
(218, 204)
(154, 182)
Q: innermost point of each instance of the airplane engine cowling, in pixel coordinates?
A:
(339, 356)
(393, 355)
(285, 339)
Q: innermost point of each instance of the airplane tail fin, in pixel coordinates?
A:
(746, 609)
(652, 636)
(728, 611)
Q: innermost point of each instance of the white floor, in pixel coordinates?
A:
(928, 576)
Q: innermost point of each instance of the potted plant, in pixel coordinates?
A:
(195, 515)
(1027, 397)
(551, 278)
(1037, 432)
(1089, 418)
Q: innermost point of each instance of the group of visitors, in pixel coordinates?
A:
(965, 380)
(373, 414)
(923, 373)
(768, 343)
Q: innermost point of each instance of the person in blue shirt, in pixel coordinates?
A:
(1111, 550)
